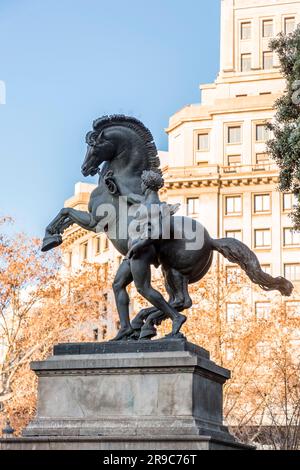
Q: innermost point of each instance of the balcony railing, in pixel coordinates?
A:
(218, 170)
(268, 166)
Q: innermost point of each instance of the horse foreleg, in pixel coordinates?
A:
(66, 217)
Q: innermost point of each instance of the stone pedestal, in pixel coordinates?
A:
(164, 394)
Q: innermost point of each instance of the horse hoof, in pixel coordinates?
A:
(52, 241)
(177, 324)
(123, 334)
(174, 336)
(137, 324)
(134, 336)
(147, 333)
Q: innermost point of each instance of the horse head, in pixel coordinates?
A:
(122, 141)
(99, 150)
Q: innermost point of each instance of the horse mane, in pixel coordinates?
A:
(137, 126)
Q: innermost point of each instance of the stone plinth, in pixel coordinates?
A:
(129, 395)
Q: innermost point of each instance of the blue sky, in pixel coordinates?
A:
(67, 62)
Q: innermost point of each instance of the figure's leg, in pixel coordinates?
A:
(177, 287)
(153, 319)
(141, 317)
(141, 272)
(122, 280)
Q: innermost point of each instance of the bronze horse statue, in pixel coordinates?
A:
(120, 149)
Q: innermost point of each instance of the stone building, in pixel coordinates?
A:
(217, 166)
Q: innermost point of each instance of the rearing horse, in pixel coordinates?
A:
(123, 147)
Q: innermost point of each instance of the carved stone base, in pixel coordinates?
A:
(131, 395)
(164, 443)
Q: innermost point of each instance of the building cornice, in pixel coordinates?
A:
(188, 178)
(78, 200)
(236, 105)
(72, 234)
(185, 183)
(255, 76)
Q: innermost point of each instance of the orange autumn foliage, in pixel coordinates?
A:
(39, 307)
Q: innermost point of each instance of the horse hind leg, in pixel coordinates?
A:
(138, 322)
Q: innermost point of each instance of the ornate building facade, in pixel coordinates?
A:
(217, 165)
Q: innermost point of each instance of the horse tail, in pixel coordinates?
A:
(238, 253)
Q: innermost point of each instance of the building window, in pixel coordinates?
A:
(234, 135)
(262, 158)
(292, 272)
(262, 238)
(84, 251)
(229, 353)
(233, 311)
(69, 259)
(267, 29)
(104, 331)
(104, 308)
(291, 237)
(97, 245)
(292, 309)
(106, 243)
(266, 268)
(233, 205)
(245, 62)
(96, 334)
(233, 274)
(289, 201)
(246, 30)
(267, 60)
(105, 271)
(192, 205)
(289, 25)
(262, 203)
(236, 234)
(262, 310)
(203, 142)
(262, 133)
(234, 160)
